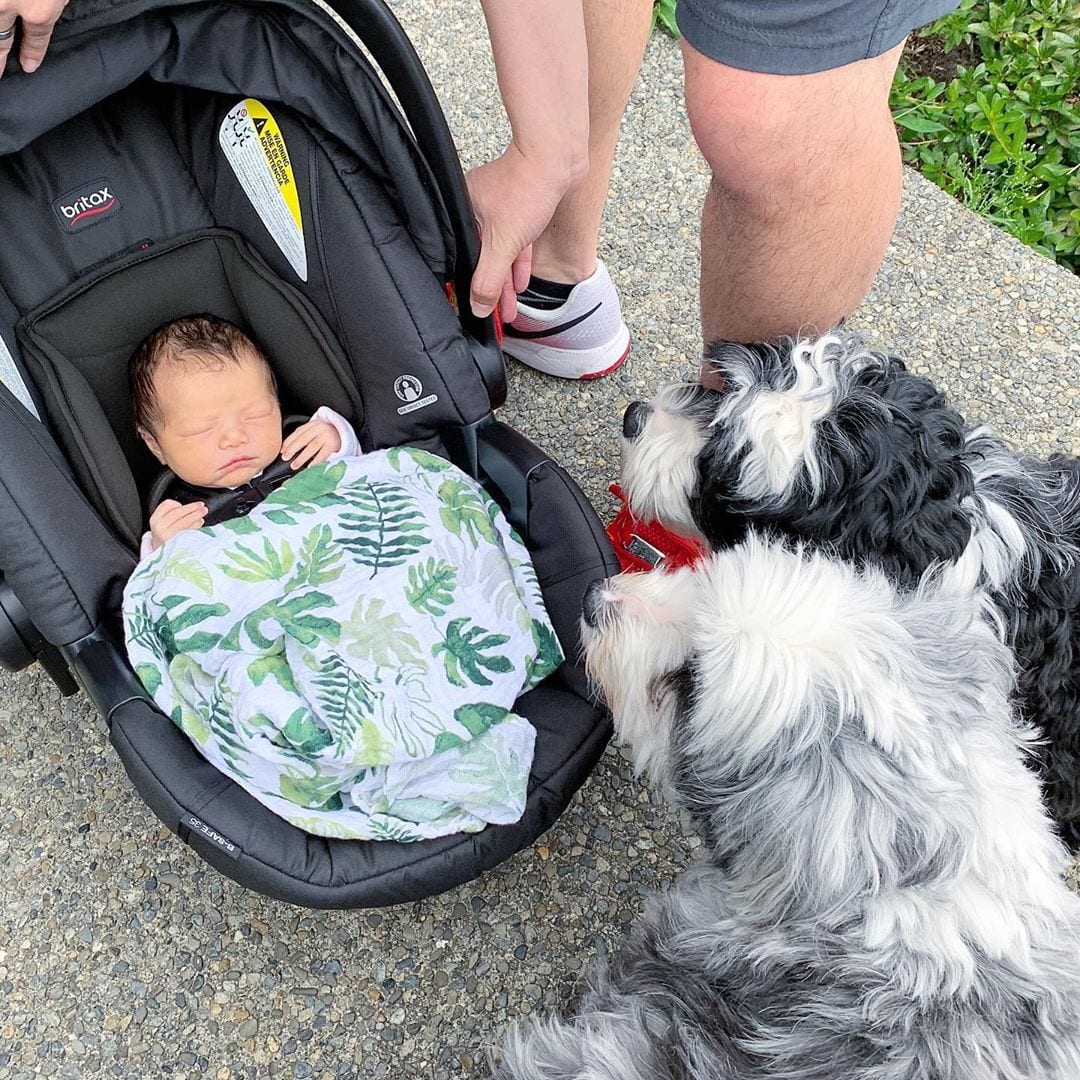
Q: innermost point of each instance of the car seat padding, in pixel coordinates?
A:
(77, 346)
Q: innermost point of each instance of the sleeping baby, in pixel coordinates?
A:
(350, 647)
(206, 405)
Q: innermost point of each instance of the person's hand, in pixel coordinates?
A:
(513, 200)
(172, 517)
(37, 18)
(311, 444)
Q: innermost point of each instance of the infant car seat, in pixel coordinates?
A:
(246, 159)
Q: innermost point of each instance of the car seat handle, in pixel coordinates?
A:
(378, 28)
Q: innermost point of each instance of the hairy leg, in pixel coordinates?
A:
(617, 31)
(804, 194)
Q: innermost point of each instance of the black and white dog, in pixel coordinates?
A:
(882, 895)
(840, 447)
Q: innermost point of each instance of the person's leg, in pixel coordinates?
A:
(617, 31)
(569, 320)
(804, 193)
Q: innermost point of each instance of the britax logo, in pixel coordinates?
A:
(86, 205)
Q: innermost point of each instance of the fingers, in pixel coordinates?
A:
(296, 439)
(491, 274)
(311, 444)
(313, 453)
(513, 202)
(522, 270)
(172, 517)
(171, 512)
(35, 40)
(6, 17)
(37, 17)
(164, 508)
(508, 302)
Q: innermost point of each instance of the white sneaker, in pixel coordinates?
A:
(583, 338)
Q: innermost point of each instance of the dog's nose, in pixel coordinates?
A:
(633, 421)
(591, 603)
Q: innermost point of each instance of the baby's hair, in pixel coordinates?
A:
(200, 340)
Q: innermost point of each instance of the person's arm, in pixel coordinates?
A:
(542, 64)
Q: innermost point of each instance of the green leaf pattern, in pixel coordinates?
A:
(351, 651)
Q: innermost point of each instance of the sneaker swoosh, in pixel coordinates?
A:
(551, 331)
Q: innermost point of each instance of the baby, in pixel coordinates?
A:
(206, 405)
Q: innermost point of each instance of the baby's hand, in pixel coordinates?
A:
(172, 517)
(311, 444)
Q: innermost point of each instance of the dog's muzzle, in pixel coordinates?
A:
(634, 419)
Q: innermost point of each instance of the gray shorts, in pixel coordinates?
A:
(796, 37)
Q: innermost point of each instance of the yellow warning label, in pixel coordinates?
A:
(277, 156)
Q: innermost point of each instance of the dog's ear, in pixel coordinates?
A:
(894, 475)
(715, 505)
(787, 643)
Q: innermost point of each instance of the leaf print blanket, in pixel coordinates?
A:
(350, 652)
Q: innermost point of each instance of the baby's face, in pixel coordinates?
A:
(219, 426)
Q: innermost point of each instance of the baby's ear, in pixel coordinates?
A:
(151, 443)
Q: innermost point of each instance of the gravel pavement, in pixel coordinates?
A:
(123, 955)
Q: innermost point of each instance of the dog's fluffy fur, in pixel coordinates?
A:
(841, 447)
(882, 897)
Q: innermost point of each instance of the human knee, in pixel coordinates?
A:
(766, 135)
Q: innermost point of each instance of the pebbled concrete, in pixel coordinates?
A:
(123, 955)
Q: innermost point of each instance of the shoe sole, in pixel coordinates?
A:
(570, 363)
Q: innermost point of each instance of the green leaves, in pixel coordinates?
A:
(318, 563)
(272, 565)
(431, 586)
(345, 704)
(465, 513)
(303, 734)
(400, 457)
(377, 637)
(320, 560)
(549, 654)
(273, 665)
(383, 527)
(464, 653)
(1003, 134)
(170, 623)
(663, 15)
(290, 617)
(476, 719)
(149, 676)
(911, 120)
(314, 484)
(314, 792)
(189, 569)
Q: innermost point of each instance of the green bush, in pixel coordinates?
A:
(1003, 134)
(663, 14)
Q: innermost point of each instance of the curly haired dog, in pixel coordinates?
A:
(881, 897)
(837, 446)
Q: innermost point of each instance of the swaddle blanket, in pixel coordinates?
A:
(350, 652)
